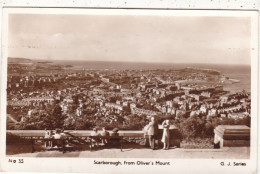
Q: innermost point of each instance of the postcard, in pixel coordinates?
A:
(129, 90)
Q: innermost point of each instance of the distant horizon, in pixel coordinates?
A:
(126, 61)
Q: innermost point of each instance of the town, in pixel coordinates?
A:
(43, 95)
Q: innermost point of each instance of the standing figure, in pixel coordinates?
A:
(145, 130)
(152, 132)
(51, 137)
(166, 134)
(47, 136)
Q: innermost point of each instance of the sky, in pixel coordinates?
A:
(137, 38)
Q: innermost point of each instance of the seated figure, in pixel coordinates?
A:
(104, 132)
(114, 141)
(95, 140)
(57, 138)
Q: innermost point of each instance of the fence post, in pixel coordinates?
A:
(63, 146)
(32, 142)
(121, 140)
(91, 144)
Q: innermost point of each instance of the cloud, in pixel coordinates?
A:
(131, 38)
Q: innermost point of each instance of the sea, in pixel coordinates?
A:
(238, 72)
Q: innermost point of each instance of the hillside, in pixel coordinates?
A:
(18, 60)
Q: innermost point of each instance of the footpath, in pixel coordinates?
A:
(178, 153)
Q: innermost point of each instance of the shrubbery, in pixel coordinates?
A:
(200, 127)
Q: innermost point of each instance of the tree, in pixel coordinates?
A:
(75, 99)
(114, 99)
(210, 125)
(53, 118)
(193, 127)
(57, 117)
(245, 121)
(127, 109)
(135, 122)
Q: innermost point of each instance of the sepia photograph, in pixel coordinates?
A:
(150, 87)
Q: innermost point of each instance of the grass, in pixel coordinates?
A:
(197, 143)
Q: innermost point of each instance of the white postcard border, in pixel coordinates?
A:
(86, 164)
